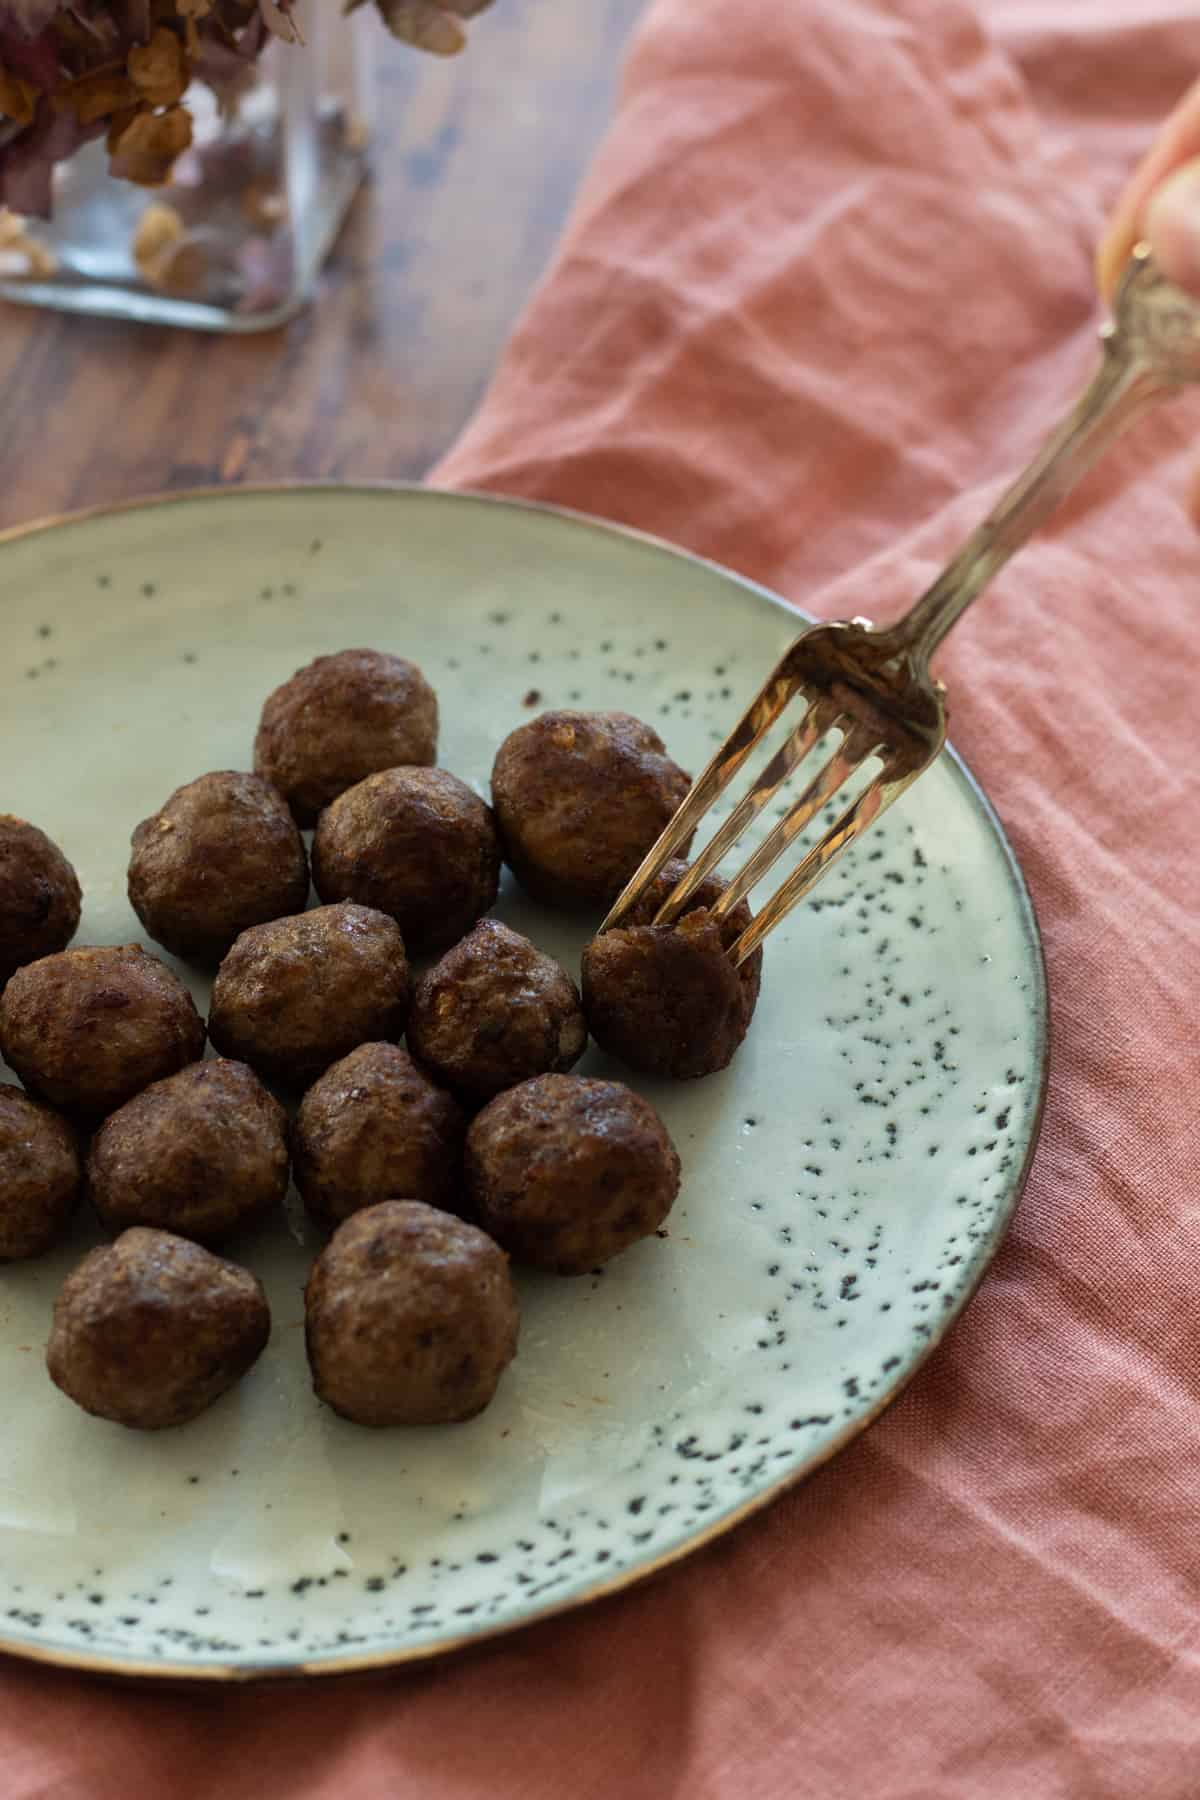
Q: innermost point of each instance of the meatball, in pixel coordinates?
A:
(375, 1128)
(88, 1029)
(415, 843)
(340, 718)
(666, 999)
(294, 996)
(580, 798)
(40, 1175)
(222, 854)
(149, 1331)
(39, 896)
(201, 1154)
(495, 1011)
(566, 1172)
(410, 1317)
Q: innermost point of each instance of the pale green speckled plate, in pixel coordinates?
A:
(845, 1182)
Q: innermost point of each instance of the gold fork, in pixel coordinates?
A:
(873, 686)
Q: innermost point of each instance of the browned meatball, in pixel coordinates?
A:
(39, 896)
(296, 995)
(40, 1175)
(202, 1154)
(88, 1029)
(375, 1128)
(149, 1331)
(495, 1011)
(580, 798)
(666, 999)
(223, 854)
(565, 1172)
(410, 1317)
(340, 718)
(415, 843)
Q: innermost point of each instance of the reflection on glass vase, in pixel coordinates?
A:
(236, 241)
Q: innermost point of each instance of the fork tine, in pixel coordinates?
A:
(762, 712)
(858, 817)
(857, 745)
(821, 716)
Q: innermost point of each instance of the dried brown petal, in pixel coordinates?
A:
(17, 98)
(147, 149)
(118, 125)
(191, 12)
(159, 69)
(157, 230)
(424, 23)
(181, 271)
(170, 258)
(98, 95)
(22, 256)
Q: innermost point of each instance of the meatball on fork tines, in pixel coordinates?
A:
(864, 760)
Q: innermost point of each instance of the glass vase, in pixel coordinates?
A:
(236, 241)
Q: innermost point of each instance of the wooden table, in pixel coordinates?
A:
(475, 168)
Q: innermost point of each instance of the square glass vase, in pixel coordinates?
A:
(235, 242)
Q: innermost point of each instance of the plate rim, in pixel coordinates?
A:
(160, 1670)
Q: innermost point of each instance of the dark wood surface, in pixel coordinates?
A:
(475, 166)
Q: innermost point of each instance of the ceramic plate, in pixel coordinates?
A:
(845, 1182)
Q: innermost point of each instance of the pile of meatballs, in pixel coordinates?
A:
(431, 1166)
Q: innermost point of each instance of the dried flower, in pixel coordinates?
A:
(433, 25)
(169, 258)
(159, 229)
(17, 98)
(159, 70)
(425, 24)
(145, 148)
(74, 70)
(21, 255)
(97, 96)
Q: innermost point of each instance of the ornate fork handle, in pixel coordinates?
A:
(1151, 349)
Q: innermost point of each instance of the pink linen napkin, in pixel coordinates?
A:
(828, 282)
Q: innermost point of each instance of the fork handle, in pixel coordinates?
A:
(1151, 349)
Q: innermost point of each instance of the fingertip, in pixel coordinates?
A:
(1172, 226)
(1177, 144)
